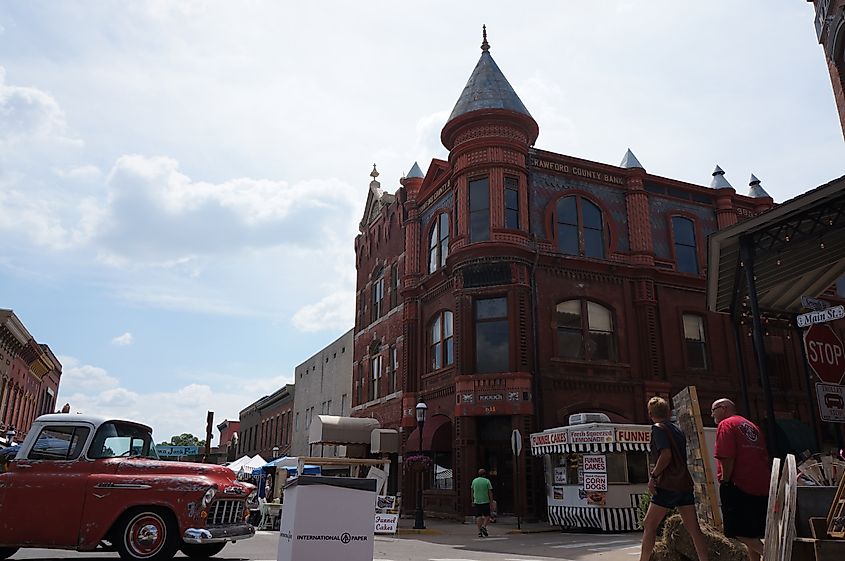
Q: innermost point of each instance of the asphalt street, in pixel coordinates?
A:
(458, 544)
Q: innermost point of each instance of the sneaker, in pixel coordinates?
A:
(484, 531)
(480, 534)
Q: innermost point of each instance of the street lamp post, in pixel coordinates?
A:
(275, 452)
(10, 436)
(419, 520)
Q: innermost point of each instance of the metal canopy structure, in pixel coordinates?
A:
(797, 249)
(768, 262)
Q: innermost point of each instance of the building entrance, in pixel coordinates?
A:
(494, 455)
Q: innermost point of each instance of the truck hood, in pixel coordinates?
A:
(220, 475)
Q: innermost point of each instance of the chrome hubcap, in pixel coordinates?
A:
(147, 535)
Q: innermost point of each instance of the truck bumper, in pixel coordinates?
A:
(218, 534)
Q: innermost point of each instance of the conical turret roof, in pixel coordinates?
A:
(630, 161)
(415, 172)
(719, 181)
(755, 189)
(487, 88)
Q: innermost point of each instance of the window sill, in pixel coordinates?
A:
(433, 373)
(597, 363)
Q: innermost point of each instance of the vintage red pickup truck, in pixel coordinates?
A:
(89, 483)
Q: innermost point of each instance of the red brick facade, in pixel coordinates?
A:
(29, 377)
(266, 424)
(634, 286)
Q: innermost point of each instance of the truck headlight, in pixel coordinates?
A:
(208, 497)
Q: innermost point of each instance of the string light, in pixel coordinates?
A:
(821, 245)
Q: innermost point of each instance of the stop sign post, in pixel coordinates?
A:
(825, 353)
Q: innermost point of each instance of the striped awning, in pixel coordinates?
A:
(599, 518)
(593, 447)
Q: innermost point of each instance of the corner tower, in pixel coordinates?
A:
(488, 136)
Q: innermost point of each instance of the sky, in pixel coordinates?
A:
(181, 181)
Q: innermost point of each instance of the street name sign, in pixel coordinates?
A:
(825, 353)
(821, 316)
(831, 402)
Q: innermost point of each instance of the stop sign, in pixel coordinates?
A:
(825, 353)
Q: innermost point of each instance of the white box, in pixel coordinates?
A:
(327, 518)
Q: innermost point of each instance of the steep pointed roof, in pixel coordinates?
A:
(755, 189)
(630, 161)
(415, 172)
(719, 181)
(487, 88)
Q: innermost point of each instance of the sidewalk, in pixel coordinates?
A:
(439, 527)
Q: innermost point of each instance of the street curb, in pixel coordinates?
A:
(412, 531)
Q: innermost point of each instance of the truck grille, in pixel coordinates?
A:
(226, 512)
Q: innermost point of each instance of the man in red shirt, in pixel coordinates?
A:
(743, 472)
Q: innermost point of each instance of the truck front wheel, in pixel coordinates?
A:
(148, 535)
(6, 552)
(202, 551)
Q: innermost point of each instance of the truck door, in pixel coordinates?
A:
(45, 500)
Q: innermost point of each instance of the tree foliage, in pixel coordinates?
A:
(184, 439)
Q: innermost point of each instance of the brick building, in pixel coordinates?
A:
(830, 31)
(266, 424)
(511, 286)
(29, 377)
(228, 447)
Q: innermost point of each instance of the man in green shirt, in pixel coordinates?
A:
(482, 496)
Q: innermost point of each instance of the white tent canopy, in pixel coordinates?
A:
(239, 463)
(255, 462)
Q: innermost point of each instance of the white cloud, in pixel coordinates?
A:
(335, 311)
(122, 340)
(27, 111)
(85, 172)
(91, 390)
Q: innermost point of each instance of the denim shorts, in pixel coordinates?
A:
(673, 499)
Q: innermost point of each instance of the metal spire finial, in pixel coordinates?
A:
(374, 173)
(485, 46)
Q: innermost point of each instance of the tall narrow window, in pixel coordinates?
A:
(492, 346)
(686, 256)
(375, 377)
(511, 203)
(479, 210)
(695, 342)
(394, 287)
(378, 296)
(362, 308)
(441, 341)
(579, 227)
(392, 367)
(438, 243)
(585, 331)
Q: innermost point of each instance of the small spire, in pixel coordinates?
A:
(375, 186)
(719, 181)
(415, 172)
(755, 189)
(485, 46)
(630, 161)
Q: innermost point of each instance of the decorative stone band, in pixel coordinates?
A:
(541, 449)
(600, 518)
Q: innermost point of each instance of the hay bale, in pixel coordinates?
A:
(720, 548)
(661, 552)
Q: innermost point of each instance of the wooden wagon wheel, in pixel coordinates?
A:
(787, 530)
(774, 509)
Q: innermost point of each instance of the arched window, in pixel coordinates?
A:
(438, 243)
(441, 341)
(585, 331)
(580, 227)
(686, 255)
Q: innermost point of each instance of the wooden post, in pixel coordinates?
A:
(209, 423)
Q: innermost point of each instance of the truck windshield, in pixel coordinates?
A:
(115, 439)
